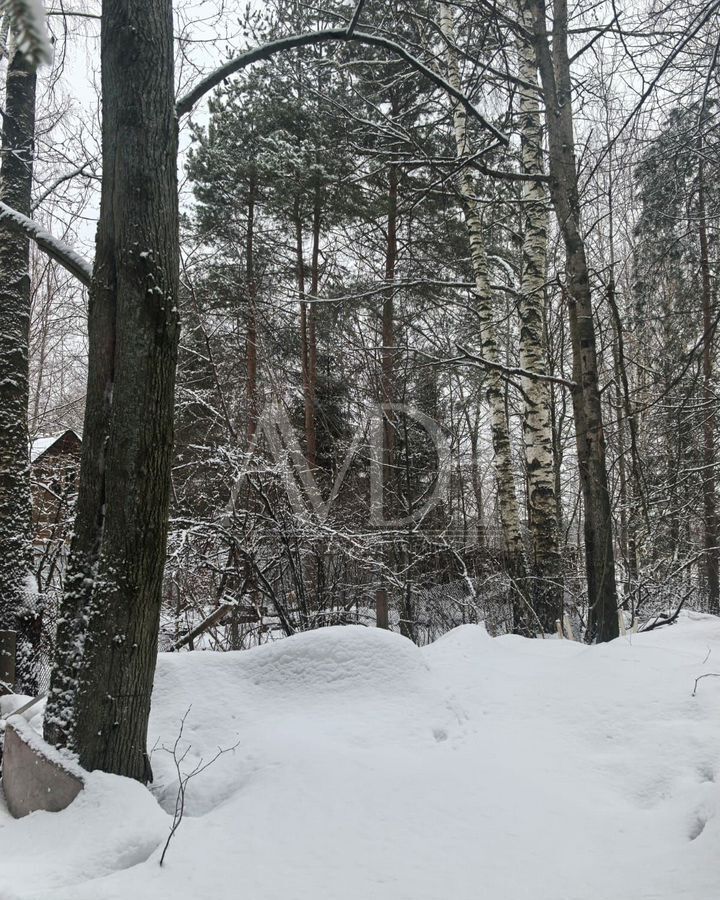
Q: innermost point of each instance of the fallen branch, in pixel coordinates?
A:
(216, 616)
(659, 621)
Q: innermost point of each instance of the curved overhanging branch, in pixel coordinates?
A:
(266, 51)
(471, 359)
(82, 269)
(52, 246)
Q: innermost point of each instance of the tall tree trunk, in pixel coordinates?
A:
(524, 619)
(387, 362)
(107, 635)
(251, 392)
(630, 489)
(712, 552)
(312, 330)
(554, 67)
(473, 427)
(387, 377)
(307, 329)
(251, 333)
(18, 607)
(546, 589)
(316, 581)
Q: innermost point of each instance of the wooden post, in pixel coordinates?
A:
(381, 608)
(8, 643)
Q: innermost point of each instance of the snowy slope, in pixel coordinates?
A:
(368, 768)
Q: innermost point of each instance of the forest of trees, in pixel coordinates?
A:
(411, 323)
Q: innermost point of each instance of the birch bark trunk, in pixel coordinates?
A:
(554, 65)
(546, 589)
(524, 620)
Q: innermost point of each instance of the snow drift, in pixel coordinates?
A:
(359, 766)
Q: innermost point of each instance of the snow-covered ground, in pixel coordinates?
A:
(369, 769)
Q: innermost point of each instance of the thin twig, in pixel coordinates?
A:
(700, 678)
(184, 779)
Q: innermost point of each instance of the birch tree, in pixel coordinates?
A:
(554, 64)
(507, 498)
(546, 589)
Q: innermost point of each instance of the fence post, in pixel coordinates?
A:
(381, 608)
(8, 645)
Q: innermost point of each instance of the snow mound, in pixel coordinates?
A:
(364, 767)
(113, 824)
(343, 686)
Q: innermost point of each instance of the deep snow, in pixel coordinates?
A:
(368, 768)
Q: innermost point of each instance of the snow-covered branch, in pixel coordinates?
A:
(266, 51)
(56, 249)
(508, 371)
(27, 22)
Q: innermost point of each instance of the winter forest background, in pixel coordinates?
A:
(377, 342)
(326, 269)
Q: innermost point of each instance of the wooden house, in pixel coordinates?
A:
(55, 466)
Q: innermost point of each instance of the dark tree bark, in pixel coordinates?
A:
(630, 488)
(387, 362)
(18, 608)
(554, 67)
(251, 333)
(387, 375)
(107, 637)
(307, 335)
(710, 519)
(311, 401)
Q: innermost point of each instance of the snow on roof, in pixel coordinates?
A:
(42, 444)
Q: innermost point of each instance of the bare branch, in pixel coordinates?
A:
(184, 777)
(508, 176)
(68, 176)
(267, 51)
(471, 358)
